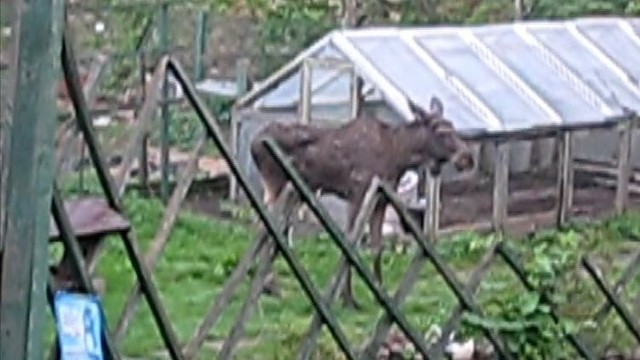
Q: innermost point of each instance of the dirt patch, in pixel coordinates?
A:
(472, 202)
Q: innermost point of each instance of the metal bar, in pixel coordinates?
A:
(200, 44)
(500, 186)
(24, 271)
(162, 236)
(347, 249)
(164, 107)
(632, 269)
(477, 275)
(624, 167)
(565, 178)
(443, 269)
(284, 205)
(511, 260)
(305, 93)
(611, 298)
(111, 195)
(213, 130)
(331, 292)
(78, 262)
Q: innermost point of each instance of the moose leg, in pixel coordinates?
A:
(348, 300)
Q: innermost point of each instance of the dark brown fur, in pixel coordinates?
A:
(343, 160)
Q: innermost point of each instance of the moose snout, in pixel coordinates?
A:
(464, 161)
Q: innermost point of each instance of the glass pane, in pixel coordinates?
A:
(530, 66)
(288, 92)
(587, 66)
(409, 74)
(452, 53)
(617, 44)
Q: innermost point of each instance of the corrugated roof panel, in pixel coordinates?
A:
(531, 67)
(492, 77)
(460, 60)
(617, 44)
(596, 74)
(399, 64)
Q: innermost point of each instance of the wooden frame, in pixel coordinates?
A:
(28, 150)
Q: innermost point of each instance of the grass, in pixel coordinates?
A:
(203, 251)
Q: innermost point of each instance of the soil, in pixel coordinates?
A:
(467, 202)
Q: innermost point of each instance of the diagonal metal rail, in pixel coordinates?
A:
(292, 261)
(346, 248)
(512, 261)
(331, 292)
(427, 250)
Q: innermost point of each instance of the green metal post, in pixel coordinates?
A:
(30, 177)
(164, 109)
(200, 44)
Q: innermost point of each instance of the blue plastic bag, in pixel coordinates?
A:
(79, 320)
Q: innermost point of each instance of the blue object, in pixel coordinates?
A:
(79, 321)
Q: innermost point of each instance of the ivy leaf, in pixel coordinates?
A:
(530, 304)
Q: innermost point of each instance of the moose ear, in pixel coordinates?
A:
(436, 106)
(417, 111)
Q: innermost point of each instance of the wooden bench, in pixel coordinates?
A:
(91, 220)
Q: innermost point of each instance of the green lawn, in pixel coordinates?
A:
(203, 251)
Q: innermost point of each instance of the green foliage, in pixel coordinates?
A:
(572, 8)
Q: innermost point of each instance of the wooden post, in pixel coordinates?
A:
(357, 101)
(500, 186)
(565, 177)
(305, 93)
(242, 73)
(164, 108)
(29, 182)
(432, 214)
(200, 44)
(624, 166)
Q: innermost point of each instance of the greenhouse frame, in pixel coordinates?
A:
(522, 83)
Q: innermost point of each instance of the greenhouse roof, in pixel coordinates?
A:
(492, 78)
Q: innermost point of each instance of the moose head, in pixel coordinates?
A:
(440, 142)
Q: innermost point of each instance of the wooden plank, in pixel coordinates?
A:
(500, 186)
(331, 292)
(161, 238)
(305, 93)
(28, 185)
(78, 264)
(624, 167)
(565, 178)
(90, 217)
(432, 215)
(163, 28)
(285, 206)
(111, 193)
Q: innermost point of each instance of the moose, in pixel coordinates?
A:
(344, 160)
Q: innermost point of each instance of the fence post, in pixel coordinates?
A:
(164, 108)
(624, 166)
(242, 73)
(29, 155)
(200, 44)
(501, 186)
